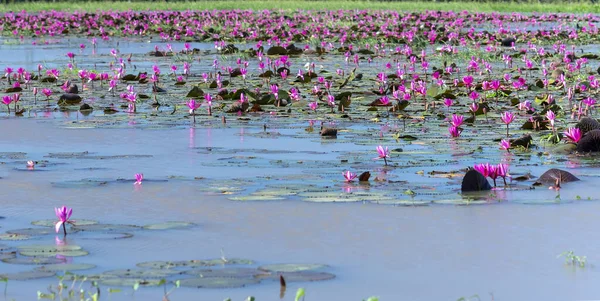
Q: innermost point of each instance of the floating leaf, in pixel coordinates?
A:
(34, 260)
(106, 227)
(9, 236)
(139, 273)
(169, 225)
(52, 222)
(27, 275)
(292, 267)
(226, 272)
(66, 267)
(115, 281)
(51, 250)
(218, 282)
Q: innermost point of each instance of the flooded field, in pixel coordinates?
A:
(220, 164)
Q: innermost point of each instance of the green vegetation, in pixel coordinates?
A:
(532, 6)
(572, 259)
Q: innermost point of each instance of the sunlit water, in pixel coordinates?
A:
(398, 253)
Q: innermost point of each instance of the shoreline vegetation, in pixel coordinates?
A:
(498, 6)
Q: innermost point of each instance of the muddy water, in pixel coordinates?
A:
(398, 253)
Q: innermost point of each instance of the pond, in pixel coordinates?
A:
(257, 179)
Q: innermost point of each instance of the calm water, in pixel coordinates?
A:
(398, 253)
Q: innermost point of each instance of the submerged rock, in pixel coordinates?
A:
(556, 177)
(590, 142)
(508, 42)
(587, 124)
(69, 99)
(524, 141)
(474, 181)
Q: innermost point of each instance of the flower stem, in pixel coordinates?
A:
(65, 229)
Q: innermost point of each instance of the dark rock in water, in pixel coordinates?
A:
(590, 142)
(158, 89)
(276, 50)
(69, 99)
(85, 107)
(238, 107)
(364, 177)
(524, 141)
(474, 181)
(229, 49)
(556, 176)
(73, 89)
(587, 124)
(327, 132)
(508, 42)
(292, 49)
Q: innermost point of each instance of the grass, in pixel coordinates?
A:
(509, 6)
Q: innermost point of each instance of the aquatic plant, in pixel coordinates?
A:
(507, 118)
(192, 105)
(505, 145)
(383, 153)
(572, 259)
(138, 178)
(573, 135)
(349, 176)
(63, 213)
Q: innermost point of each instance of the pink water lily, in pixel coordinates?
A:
(383, 153)
(63, 215)
(193, 105)
(507, 118)
(30, 164)
(138, 178)
(505, 145)
(573, 135)
(350, 176)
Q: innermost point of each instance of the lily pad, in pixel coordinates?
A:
(14, 237)
(32, 231)
(27, 275)
(218, 282)
(34, 260)
(140, 273)
(169, 225)
(4, 247)
(303, 276)
(105, 236)
(7, 255)
(51, 250)
(115, 281)
(226, 272)
(292, 267)
(66, 267)
(52, 222)
(107, 227)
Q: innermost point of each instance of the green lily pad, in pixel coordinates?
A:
(65, 267)
(107, 227)
(105, 236)
(140, 273)
(34, 260)
(27, 275)
(52, 222)
(7, 255)
(32, 231)
(115, 281)
(292, 267)
(51, 250)
(218, 282)
(226, 272)
(14, 237)
(169, 225)
(251, 198)
(303, 276)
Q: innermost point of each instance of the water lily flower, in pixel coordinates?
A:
(501, 170)
(551, 116)
(63, 215)
(454, 131)
(505, 145)
(384, 153)
(138, 178)
(457, 120)
(507, 118)
(313, 105)
(7, 100)
(30, 164)
(573, 135)
(350, 176)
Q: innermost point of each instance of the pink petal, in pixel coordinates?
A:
(57, 226)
